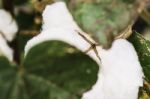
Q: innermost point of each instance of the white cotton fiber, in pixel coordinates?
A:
(57, 15)
(120, 75)
(5, 50)
(8, 26)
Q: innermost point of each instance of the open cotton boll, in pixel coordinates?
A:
(120, 72)
(120, 75)
(57, 15)
(8, 26)
(5, 50)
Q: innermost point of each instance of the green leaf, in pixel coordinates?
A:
(51, 70)
(7, 78)
(142, 47)
(100, 18)
(55, 70)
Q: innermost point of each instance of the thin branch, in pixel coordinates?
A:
(29, 32)
(96, 53)
(84, 38)
(92, 47)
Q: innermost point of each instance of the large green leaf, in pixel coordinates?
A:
(51, 70)
(103, 18)
(142, 47)
(58, 71)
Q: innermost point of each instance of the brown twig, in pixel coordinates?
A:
(92, 47)
(29, 32)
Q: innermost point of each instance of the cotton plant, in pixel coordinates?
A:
(8, 30)
(120, 74)
(92, 72)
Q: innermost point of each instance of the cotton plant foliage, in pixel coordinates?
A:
(120, 74)
(8, 26)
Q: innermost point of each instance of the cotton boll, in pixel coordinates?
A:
(120, 74)
(57, 15)
(10, 31)
(8, 26)
(5, 50)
